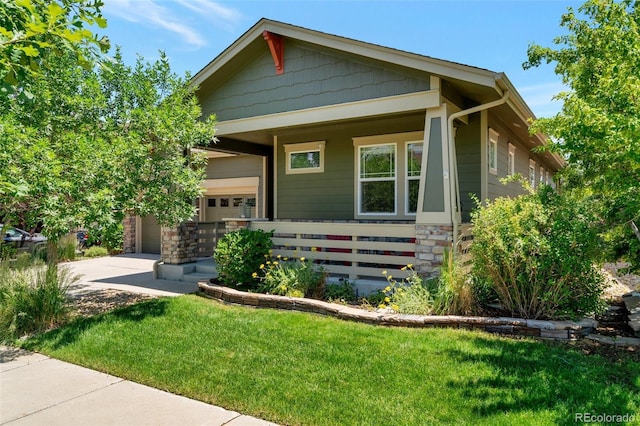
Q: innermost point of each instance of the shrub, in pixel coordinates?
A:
(291, 277)
(32, 299)
(96, 251)
(239, 254)
(537, 253)
(67, 247)
(455, 293)
(412, 295)
(342, 291)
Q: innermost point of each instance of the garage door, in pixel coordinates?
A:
(150, 235)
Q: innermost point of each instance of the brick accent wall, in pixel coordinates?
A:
(129, 237)
(180, 243)
(431, 242)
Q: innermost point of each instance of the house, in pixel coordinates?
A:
(358, 156)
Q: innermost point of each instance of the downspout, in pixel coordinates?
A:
(454, 185)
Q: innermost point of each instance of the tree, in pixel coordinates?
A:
(598, 128)
(32, 30)
(98, 144)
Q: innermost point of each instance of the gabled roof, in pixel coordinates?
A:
(481, 85)
(411, 60)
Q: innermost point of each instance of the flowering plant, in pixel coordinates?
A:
(295, 277)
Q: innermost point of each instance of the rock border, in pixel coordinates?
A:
(557, 330)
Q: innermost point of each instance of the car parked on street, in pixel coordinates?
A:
(20, 238)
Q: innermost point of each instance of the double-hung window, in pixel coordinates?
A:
(377, 179)
(388, 175)
(511, 160)
(493, 151)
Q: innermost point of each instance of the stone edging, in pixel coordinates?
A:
(563, 330)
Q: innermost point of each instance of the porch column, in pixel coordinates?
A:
(180, 243)
(129, 235)
(434, 224)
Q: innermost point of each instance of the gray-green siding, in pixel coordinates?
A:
(468, 158)
(313, 77)
(330, 195)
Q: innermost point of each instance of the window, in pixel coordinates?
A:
(493, 151)
(511, 160)
(387, 175)
(305, 157)
(532, 173)
(377, 179)
(414, 165)
(211, 202)
(541, 177)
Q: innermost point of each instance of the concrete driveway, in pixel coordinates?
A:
(129, 272)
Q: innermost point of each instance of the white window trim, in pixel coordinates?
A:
(532, 177)
(400, 141)
(493, 147)
(302, 148)
(395, 181)
(408, 178)
(541, 177)
(511, 160)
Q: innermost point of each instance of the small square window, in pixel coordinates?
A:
(211, 202)
(305, 157)
(224, 202)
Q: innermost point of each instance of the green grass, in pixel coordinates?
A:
(297, 368)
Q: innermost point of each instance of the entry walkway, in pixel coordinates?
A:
(38, 390)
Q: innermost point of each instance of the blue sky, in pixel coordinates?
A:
(491, 34)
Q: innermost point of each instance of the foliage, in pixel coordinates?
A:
(315, 370)
(456, 293)
(239, 255)
(598, 128)
(291, 277)
(538, 253)
(100, 144)
(31, 31)
(33, 298)
(96, 251)
(342, 291)
(67, 247)
(412, 295)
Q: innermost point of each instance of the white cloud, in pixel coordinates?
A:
(151, 13)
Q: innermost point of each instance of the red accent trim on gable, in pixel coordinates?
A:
(276, 46)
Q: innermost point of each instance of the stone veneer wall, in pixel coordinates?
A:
(129, 237)
(431, 242)
(180, 243)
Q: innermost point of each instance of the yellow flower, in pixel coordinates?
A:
(386, 299)
(275, 262)
(387, 289)
(254, 275)
(404, 268)
(279, 256)
(302, 259)
(382, 306)
(314, 249)
(285, 259)
(395, 307)
(262, 266)
(384, 272)
(389, 277)
(410, 265)
(268, 262)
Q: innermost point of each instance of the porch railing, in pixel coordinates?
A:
(209, 233)
(351, 250)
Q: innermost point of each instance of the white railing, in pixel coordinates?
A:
(352, 250)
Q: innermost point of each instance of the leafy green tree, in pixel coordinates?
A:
(598, 128)
(32, 30)
(98, 144)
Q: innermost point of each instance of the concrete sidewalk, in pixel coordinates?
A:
(38, 390)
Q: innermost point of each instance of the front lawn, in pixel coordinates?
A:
(298, 368)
